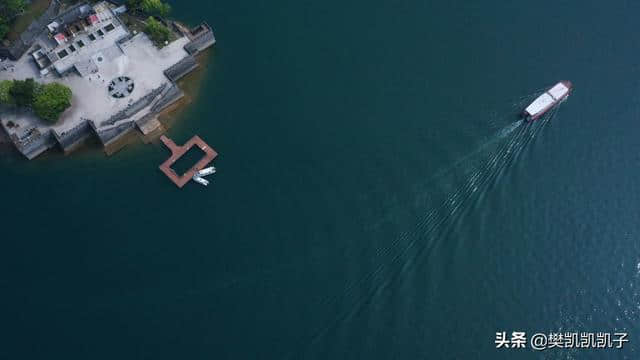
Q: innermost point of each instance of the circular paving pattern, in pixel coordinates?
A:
(121, 87)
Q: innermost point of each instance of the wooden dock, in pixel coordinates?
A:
(178, 151)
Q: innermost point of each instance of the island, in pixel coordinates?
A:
(94, 69)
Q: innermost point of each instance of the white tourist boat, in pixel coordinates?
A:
(206, 172)
(545, 102)
(200, 180)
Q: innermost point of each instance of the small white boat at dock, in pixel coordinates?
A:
(206, 172)
(200, 180)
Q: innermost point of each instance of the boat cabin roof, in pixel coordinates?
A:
(539, 104)
(558, 91)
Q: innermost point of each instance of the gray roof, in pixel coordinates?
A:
(86, 67)
(74, 14)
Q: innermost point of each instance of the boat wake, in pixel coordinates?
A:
(452, 192)
(509, 129)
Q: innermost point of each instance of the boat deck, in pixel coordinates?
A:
(178, 151)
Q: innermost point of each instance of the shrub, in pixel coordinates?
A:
(157, 31)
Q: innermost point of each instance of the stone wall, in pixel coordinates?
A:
(169, 96)
(202, 38)
(134, 108)
(70, 139)
(182, 68)
(110, 135)
(34, 143)
(200, 44)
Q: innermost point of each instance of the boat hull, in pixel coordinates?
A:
(547, 101)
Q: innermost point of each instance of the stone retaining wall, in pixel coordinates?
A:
(35, 143)
(114, 133)
(202, 42)
(182, 68)
(170, 96)
(70, 139)
(135, 107)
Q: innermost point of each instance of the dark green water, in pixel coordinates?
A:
(334, 121)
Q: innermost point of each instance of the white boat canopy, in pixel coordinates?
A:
(558, 91)
(540, 104)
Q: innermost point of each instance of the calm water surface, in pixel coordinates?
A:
(345, 129)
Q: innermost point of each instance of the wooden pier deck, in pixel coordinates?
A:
(178, 151)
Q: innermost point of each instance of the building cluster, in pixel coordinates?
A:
(73, 41)
(120, 80)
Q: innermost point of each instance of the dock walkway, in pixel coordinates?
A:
(178, 151)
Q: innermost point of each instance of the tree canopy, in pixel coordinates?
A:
(9, 9)
(151, 7)
(5, 92)
(51, 100)
(157, 31)
(23, 92)
(48, 101)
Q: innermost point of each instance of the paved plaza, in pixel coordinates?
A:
(138, 59)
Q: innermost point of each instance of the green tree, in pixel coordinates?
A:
(23, 92)
(5, 92)
(4, 27)
(11, 8)
(150, 7)
(51, 100)
(157, 31)
(156, 7)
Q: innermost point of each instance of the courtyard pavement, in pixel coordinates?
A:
(138, 58)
